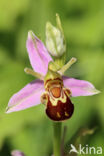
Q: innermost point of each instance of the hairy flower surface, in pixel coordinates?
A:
(52, 88)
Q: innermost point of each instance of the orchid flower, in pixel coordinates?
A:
(17, 153)
(51, 88)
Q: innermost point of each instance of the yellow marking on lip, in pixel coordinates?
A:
(58, 115)
(55, 101)
(66, 114)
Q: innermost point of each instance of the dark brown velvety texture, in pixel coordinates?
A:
(60, 112)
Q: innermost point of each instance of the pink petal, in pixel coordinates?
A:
(17, 153)
(38, 54)
(27, 97)
(79, 87)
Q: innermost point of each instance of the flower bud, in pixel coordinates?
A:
(55, 41)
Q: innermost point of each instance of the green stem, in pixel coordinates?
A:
(57, 138)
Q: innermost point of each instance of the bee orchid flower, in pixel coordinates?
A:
(17, 153)
(51, 88)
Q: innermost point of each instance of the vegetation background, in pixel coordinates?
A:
(83, 22)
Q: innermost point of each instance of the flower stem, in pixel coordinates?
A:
(57, 138)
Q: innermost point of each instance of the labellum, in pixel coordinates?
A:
(56, 98)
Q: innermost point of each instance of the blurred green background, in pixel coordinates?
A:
(83, 22)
